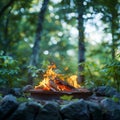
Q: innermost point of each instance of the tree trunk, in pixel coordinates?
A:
(81, 44)
(113, 41)
(7, 41)
(114, 27)
(36, 47)
(6, 6)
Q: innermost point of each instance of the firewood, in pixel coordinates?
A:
(56, 84)
(53, 85)
(61, 82)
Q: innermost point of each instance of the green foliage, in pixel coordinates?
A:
(106, 74)
(112, 71)
(93, 78)
(9, 71)
(36, 73)
(115, 99)
(66, 97)
(0, 97)
(22, 99)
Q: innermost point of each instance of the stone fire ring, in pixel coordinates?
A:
(56, 95)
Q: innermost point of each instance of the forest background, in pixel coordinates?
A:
(81, 37)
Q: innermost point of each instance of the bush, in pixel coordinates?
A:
(9, 71)
(105, 74)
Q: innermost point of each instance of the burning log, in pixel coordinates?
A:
(62, 85)
(53, 85)
(56, 85)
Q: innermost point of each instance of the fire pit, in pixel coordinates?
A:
(56, 95)
(54, 87)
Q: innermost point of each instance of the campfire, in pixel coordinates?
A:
(55, 82)
(55, 85)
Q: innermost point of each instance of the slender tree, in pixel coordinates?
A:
(36, 47)
(6, 33)
(114, 26)
(110, 16)
(77, 7)
(81, 43)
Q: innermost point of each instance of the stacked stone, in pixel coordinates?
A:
(81, 109)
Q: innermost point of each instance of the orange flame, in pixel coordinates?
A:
(54, 81)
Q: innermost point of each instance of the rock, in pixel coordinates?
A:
(95, 111)
(117, 95)
(75, 111)
(4, 91)
(9, 97)
(26, 111)
(16, 92)
(49, 112)
(27, 88)
(7, 106)
(111, 109)
(105, 91)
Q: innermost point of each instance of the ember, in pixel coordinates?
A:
(54, 82)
